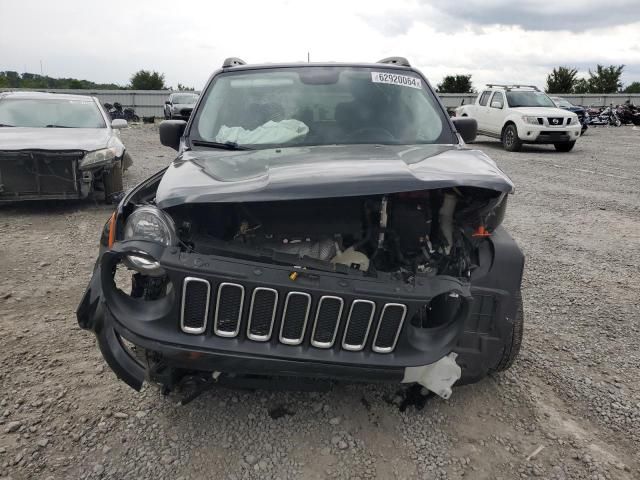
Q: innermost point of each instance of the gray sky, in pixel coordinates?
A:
(494, 40)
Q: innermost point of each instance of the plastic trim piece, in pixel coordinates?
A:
(335, 330)
(262, 338)
(222, 333)
(356, 348)
(191, 330)
(395, 339)
(294, 341)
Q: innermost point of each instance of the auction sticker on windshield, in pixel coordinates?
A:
(396, 79)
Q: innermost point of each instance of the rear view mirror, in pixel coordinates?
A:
(119, 123)
(467, 128)
(167, 102)
(171, 132)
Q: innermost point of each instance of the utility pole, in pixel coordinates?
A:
(41, 74)
(308, 57)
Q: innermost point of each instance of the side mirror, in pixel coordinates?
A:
(119, 123)
(467, 128)
(496, 105)
(171, 132)
(167, 102)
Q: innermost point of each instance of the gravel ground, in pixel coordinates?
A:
(568, 409)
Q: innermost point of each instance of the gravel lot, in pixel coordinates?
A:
(568, 409)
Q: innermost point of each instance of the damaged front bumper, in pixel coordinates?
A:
(47, 175)
(408, 353)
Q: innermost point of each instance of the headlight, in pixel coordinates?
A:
(99, 158)
(531, 120)
(149, 223)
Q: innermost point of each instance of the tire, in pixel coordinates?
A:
(112, 181)
(510, 140)
(135, 118)
(564, 147)
(514, 341)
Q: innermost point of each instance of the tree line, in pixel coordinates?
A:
(140, 80)
(605, 79)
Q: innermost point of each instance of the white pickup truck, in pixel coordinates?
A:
(518, 114)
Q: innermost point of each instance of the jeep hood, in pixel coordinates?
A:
(21, 138)
(202, 176)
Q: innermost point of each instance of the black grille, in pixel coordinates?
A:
(358, 323)
(327, 320)
(294, 318)
(390, 323)
(229, 309)
(553, 121)
(262, 313)
(195, 304)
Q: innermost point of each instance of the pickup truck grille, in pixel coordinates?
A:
(555, 121)
(293, 313)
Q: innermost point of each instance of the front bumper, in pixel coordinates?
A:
(543, 134)
(477, 333)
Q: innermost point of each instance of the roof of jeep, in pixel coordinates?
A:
(263, 66)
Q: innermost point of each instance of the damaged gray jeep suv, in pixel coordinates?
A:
(321, 222)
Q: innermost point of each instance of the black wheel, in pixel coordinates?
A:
(514, 341)
(510, 140)
(112, 181)
(135, 118)
(564, 147)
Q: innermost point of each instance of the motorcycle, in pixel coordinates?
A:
(628, 114)
(608, 116)
(116, 111)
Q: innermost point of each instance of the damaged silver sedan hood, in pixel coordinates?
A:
(203, 176)
(21, 138)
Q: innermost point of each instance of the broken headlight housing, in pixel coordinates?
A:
(99, 158)
(154, 225)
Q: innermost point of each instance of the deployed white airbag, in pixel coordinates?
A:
(269, 133)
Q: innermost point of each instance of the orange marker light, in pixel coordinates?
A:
(112, 229)
(293, 275)
(481, 232)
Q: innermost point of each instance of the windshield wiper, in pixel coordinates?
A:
(224, 146)
(57, 126)
(6, 125)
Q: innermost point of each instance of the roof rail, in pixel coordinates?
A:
(509, 87)
(233, 62)
(395, 61)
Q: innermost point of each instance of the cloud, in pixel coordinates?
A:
(451, 16)
(188, 42)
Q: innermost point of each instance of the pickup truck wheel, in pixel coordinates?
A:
(514, 341)
(564, 147)
(510, 140)
(112, 181)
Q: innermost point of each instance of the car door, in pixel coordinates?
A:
(481, 112)
(496, 113)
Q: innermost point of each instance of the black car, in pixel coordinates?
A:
(583, 115)
(321, 221)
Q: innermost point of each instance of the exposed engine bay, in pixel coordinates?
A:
(429, 232)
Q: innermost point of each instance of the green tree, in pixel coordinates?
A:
(456, 84)
(4, 81)
(561, 80)
(147, 80)
(582, 86)
(605, 79)
(633, 87)
(184, 88)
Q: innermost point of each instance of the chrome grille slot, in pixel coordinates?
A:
(327, 321)
(195, 305)
(262, 314)
(294, 318)
(228, 309)
(358, 325)
(389, 327)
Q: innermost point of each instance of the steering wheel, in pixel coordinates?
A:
(372, 133)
